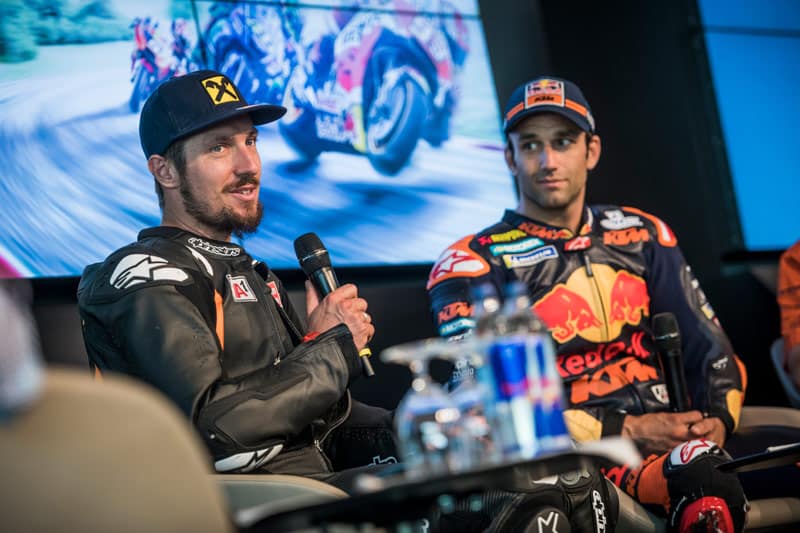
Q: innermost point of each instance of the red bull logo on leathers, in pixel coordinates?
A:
(595, 308)
(566, 313)
(629, 299)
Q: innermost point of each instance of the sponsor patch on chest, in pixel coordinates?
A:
(530, 258)
(273, 290)
(240, 289)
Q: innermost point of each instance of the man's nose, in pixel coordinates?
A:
(247, 159)
(546, 156)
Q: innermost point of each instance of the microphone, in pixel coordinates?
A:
(316, 263)
(668, 345)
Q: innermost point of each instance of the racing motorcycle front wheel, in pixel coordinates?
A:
(394, 122)
(298, 126)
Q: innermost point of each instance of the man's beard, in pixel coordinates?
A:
(224, 220)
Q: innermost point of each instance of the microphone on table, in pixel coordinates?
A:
(668, 346)
(316, 263)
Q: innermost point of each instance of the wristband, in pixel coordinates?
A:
(310, 336)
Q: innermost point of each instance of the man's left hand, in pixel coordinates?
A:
(710, 429)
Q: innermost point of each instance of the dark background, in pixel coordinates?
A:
(643, 68)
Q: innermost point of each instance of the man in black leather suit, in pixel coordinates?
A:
(188, 311)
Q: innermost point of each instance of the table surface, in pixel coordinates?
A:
(388, 500)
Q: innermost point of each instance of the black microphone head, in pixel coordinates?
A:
(311, 253)
(666, 332)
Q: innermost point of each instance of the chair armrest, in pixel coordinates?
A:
(251, 497)
(769, 416)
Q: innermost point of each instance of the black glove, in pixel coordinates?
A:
(699, 493)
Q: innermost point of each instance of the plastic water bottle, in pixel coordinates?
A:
(478, 442)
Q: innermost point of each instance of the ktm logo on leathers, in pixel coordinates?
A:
(454, 310)
(624, 237)
(610, 379)
(542, 232)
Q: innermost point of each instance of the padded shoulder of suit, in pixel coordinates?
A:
(620, 218)
(142, 264)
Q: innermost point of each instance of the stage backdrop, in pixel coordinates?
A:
(391, 148)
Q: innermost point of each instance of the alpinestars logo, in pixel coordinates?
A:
(548, 523)
(206, 246)
(140, 268)
(599, 512)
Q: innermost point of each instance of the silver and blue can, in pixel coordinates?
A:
(547, 395)
(509, 362)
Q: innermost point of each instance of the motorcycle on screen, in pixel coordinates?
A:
(376, 87)
(157, 56)
(254, 46)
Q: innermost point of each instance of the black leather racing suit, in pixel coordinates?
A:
(193, 318)
(596, 292)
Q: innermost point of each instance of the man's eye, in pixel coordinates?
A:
(217, 148)
(531, 146)
(252, 141)
(565, 142)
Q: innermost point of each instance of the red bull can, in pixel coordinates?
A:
(547, 393)
(513, 411)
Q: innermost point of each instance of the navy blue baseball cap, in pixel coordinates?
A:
(193, 102)
(548, 95)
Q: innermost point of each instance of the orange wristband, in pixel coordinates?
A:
(310, 336)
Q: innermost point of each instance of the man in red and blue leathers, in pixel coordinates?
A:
(596, 275)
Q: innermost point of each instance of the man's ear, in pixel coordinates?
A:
(593, 152)
(163, 171)
(509, 153)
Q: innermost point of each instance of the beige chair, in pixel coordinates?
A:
(771, 512)
(253, 496)
(116, 456)
(776, 356)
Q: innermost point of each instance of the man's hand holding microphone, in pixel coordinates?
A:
(343, 305)
(328, 304)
